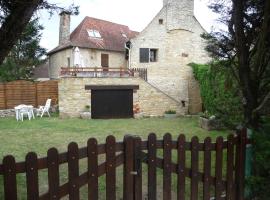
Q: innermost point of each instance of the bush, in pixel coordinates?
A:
(170, 112)
(219, 93)
(259, 182)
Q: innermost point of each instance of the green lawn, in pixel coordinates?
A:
(18, 138)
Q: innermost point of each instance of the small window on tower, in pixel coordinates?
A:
(68, 61)
(153, 55)
(160, 21)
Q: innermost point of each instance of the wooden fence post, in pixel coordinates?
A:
(5, 95)
(10, 185)
(240, 174)
(92, 150)
(194, 168)
(128, 190)
(110, 168)
(152, 172)
(36, 93)
(32, 176)
(181, 177)
(53, 173)
(167, 168)
(73, 170)
(138, 169)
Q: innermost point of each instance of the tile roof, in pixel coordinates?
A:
(112, 36)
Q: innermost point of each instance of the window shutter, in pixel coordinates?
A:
(144, 55)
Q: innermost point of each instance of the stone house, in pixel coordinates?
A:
(101, 44)
(166, 46)
(157, 78)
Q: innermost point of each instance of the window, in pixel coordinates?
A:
(93, 33)
(148, 55)
(68, 61)
(153, 55)
(160, 21)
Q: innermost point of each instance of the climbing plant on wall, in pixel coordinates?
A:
(219, 93)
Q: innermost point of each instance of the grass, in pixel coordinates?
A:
(19, 138)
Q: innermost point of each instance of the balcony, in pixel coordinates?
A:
(103, 72)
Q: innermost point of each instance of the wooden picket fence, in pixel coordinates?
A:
(131, 153)
(27, 92)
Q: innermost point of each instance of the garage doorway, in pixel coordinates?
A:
(112, 103)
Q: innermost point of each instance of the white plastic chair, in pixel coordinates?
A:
(43, 109)
(25, 111)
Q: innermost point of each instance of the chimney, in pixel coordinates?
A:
(64, 28)
(179, 14)
(165, 2)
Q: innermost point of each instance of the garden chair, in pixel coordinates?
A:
(25, 111)
(43, 109)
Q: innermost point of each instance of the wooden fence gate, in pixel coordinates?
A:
(226, 181)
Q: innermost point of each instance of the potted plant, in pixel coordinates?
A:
(86, 114)
(209, 122)
(170, 114)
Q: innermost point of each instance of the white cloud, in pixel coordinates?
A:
(134, 13)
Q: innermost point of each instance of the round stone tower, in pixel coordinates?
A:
(180, 14)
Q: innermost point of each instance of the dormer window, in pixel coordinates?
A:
(93, 33)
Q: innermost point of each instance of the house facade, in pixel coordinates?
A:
(157, 78)
(101, 44)
(166, 46)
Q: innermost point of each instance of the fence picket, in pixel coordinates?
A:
(10, 184)
(241, 164)
(138, 169)
(110, 168)
(181, 167)
(219, 159)
(230, 161)
(32, 176)
(152, 176)
(194, 168)
(53, 173)
(92, 169)
(167, 159)
(207, 168)
(128, 178)
(73, 170)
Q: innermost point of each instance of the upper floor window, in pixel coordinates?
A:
(93, 33)
(148, 55)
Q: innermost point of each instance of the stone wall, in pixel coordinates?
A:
(91, 58)
(151, 101)
(7, 113)
(176, 49)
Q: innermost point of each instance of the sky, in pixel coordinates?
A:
(136, 14)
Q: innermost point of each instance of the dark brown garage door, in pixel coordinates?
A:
(111, 104)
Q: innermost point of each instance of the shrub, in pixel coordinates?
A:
(259, 182)
(219, 93)
(170, 112)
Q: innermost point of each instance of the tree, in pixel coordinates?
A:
(15, 15)
(25, 54)
(245, 47)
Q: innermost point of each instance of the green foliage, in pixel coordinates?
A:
(170, 112)
(259, 182)
(25, 54)
(219, 92)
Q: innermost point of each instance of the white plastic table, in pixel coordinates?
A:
(18, 111)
